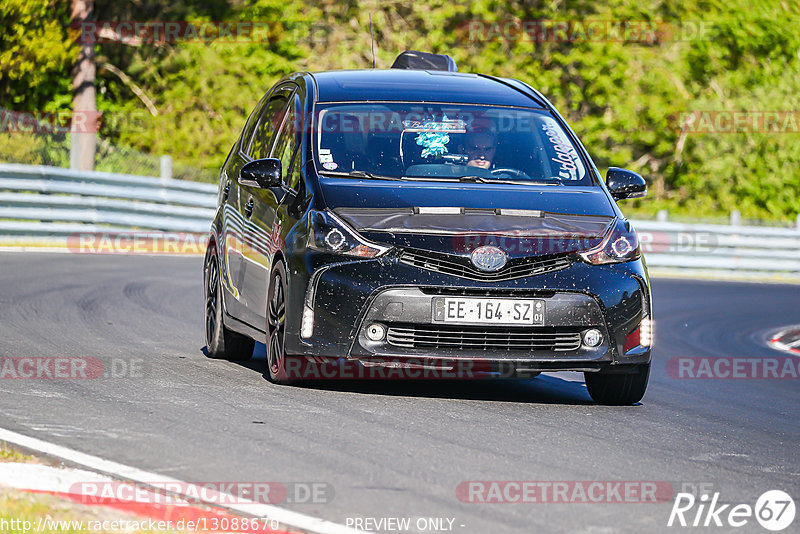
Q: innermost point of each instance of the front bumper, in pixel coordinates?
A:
(346, 297)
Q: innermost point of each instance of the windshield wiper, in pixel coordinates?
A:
(361, 174)
(482, 180)
(540, 182)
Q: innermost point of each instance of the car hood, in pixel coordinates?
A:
(459, 217)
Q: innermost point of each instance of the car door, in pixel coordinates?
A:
(269, 213)
(259, 208)
(231, 241)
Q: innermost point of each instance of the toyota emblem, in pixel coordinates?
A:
(488, 258)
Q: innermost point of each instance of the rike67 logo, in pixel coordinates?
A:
(774, 510)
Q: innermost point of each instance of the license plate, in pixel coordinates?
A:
(488, 311)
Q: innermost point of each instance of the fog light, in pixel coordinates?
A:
(307, 325)
(646, 332)
(376, 332)
(592, 338)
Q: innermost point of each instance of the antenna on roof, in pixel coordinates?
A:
(372, 37)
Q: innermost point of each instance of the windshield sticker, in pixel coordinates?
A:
(570, 167)
(324, 151)
(444, 125)
(325, 158)
(330, 165)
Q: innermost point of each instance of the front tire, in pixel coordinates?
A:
(276, 326)
(618, 389)
(221, 343)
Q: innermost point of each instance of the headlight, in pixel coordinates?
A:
(328, 233)
(620, 244)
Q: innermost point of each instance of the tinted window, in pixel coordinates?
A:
(287, 143)
(292, 178)
(247, 133)
(270, 121)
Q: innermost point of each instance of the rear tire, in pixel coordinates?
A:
(221, 343)
(618, 389)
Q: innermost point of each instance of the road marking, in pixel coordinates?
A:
(82, 487)
(285, 517)
(776, 341)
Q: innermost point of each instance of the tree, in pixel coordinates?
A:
(36, 50)
(84, 104)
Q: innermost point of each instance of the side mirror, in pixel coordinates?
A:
(623, 184)
(264, 173)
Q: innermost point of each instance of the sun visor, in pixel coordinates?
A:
(456, 221)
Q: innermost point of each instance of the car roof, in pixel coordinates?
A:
(421, 86)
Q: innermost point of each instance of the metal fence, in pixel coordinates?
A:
(721, 249)
(51, 201)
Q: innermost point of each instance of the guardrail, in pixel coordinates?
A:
(61, 197)
(728, 250)
(51, 201)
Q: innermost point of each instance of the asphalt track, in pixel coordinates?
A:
(395, 449)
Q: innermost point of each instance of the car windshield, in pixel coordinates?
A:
(458, 142)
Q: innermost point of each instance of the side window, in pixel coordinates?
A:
(247, 133)
(270, 121)
(286, 145)
(292, 179)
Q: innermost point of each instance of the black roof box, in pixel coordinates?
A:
(411, 59)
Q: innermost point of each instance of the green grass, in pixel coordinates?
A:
(8, 454)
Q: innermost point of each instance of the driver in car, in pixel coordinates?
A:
(479, 146)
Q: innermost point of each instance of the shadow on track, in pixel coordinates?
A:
(544, 389)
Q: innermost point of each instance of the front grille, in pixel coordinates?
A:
(494, 338)
(462, 266)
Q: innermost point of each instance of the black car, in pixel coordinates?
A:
(419, 218)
